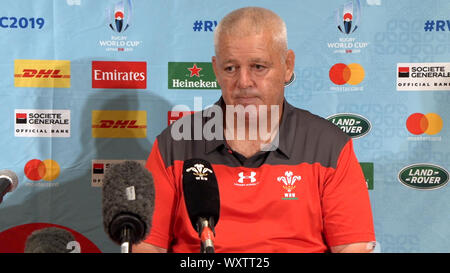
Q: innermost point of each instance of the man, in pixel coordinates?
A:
(296, 188)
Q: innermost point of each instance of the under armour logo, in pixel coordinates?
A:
(251, 177)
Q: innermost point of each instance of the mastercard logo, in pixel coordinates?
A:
(429, 124)
(352, 74)
(47, 170)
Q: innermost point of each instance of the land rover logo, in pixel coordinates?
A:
(423, 176)
(353, 125)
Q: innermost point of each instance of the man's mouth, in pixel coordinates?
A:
(247, 100)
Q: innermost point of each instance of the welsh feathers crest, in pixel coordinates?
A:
(199, 171)
(289, 180)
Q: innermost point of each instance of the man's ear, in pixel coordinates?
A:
(214, 64)
(290, 64)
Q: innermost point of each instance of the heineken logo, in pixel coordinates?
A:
(189, 75)
(367, 168)
(423, 176)
(353, 125)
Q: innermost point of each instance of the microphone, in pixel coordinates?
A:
(201, 195)
(128, 203)
(51, 240)
(8, 182)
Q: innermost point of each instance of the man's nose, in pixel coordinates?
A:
(244, 78)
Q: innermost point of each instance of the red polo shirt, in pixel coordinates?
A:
(305, 195)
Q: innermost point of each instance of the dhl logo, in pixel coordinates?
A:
(34, 73)
(42, 73)
(131, 124)
(119, 124)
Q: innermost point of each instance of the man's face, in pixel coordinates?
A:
(251, 71)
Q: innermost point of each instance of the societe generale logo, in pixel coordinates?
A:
(42, 73)
(119, 124)
(101, 166)
(119, 75)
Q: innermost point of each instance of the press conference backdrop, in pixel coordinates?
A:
(89, 83)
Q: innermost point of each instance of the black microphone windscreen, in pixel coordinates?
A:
(128, 191)
(201, 191)
(49, 240)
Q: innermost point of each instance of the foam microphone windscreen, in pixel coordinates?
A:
(128, 190)
(201, 192)
(49, 240)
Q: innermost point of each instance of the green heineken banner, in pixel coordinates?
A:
(184, 75)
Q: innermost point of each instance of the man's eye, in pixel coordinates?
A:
(259, 67)
(229, 69)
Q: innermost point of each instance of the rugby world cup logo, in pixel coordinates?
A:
(348, 16)
(119, 18)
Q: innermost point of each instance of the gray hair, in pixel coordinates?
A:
(252, 20)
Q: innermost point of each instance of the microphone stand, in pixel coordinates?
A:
(207, 234)
(126, 246)
(126, 229)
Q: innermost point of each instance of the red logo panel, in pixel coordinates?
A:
(119, 75)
